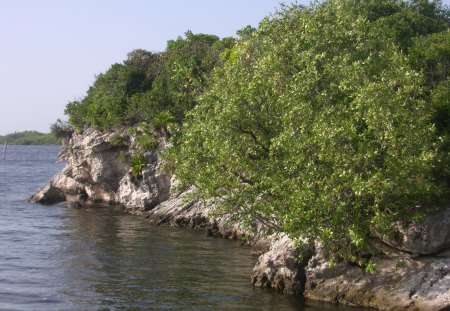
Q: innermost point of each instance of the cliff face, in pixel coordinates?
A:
(413, 270)
(92, 174)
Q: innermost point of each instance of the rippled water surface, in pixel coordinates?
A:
(53, 258)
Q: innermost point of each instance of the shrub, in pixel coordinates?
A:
(61, 129)
(118, 140)
(163, 119)
(138, 162)
(149, 84)
(318, 126)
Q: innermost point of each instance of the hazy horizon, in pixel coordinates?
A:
(52, 50)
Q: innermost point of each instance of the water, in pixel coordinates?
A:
(53, 258)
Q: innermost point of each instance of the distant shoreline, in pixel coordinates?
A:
(29, 138)
(31, 144)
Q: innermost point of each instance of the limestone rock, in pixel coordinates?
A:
(398, 284)
(280, 268)
(146, 191)
(93, 169)
(180, 210)
(48, 195)
(428, 237)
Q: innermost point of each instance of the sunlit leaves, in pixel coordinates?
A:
(318, 124)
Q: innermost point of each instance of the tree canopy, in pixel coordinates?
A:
(328, 121)
(149, 86)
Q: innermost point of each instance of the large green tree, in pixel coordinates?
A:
(321, 126)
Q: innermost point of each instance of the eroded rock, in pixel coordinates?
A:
(397, 284)
(146, 191)
(48, 195)
(428, 237)
(93, 168)
(281, 268)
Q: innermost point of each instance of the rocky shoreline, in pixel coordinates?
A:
(413, 270)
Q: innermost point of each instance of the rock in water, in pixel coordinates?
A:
(397, 284)
(93, 169)
(48, 195)
(281, 268)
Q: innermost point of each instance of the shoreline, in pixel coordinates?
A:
(94, 175)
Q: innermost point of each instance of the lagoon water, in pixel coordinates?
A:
(54, 258)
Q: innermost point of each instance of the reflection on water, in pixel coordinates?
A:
(121, 261)
(53, 258)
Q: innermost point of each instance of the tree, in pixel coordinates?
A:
(317, 126)
(146, 63)
(106, 104)
(61, 129)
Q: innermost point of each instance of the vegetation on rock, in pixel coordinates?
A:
(329, 121)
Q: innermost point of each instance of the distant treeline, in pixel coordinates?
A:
(29, 138)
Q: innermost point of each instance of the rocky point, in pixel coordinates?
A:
(412, 267)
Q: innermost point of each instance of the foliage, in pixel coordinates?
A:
(144, 138)
(118, 140)
(406, 20)
(431, 56)
(320, 125)
(163, 119)
(148, 86)
(144, 62)
(138, 162)
(371, 266)
(146, 141)
(30, 138)
(245, 32)
(105, 105)
(61, 129)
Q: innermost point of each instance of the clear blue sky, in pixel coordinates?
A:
(51, 50)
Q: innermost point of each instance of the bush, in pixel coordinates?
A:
(148, 85)
(61, 129)
(118, 140)
(163, 119)
(138, 163)
(318, 126)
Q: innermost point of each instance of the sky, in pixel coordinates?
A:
(51, 50)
